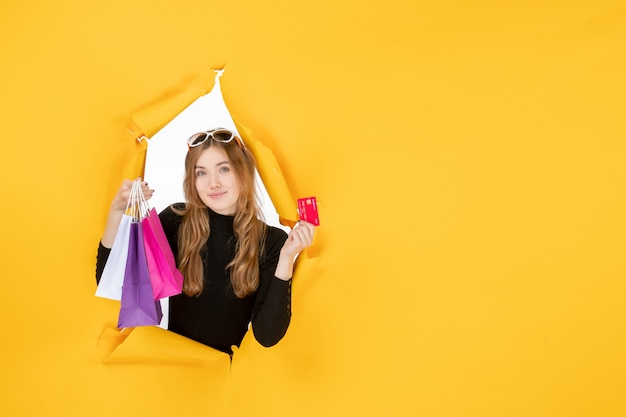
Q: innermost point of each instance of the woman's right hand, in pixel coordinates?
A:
(118, 208)
(123, 193)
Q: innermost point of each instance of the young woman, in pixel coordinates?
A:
(237, 269)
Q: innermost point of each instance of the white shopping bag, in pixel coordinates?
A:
(110, 285)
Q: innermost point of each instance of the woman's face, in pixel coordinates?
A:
(216, 182)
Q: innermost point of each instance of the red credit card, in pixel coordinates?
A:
(307, 209)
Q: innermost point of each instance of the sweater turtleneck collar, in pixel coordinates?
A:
(220, 222)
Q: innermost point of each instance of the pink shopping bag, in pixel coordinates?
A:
(166, 279)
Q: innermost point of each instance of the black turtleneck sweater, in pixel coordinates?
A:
(216, 317)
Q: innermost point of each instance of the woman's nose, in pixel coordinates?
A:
(215, 181)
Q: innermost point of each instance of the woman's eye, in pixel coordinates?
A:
(224, 169)
(200, 173)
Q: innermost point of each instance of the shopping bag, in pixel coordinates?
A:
(138, 307)
(110, 285)
(166, 279)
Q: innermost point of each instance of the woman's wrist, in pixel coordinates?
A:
(110, 230)
(284, 268)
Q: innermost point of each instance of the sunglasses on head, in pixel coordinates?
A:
(218, 135)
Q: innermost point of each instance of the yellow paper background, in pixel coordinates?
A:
(467, 158)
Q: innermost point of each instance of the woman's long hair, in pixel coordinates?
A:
(248, 227)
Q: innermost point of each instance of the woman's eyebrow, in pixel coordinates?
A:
(218, 164)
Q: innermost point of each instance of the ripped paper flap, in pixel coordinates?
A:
(155, 345)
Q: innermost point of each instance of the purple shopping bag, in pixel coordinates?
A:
(138, 307)
(166, 279)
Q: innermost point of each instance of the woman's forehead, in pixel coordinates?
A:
(212, 156)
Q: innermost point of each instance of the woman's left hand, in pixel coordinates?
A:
(300, 238)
